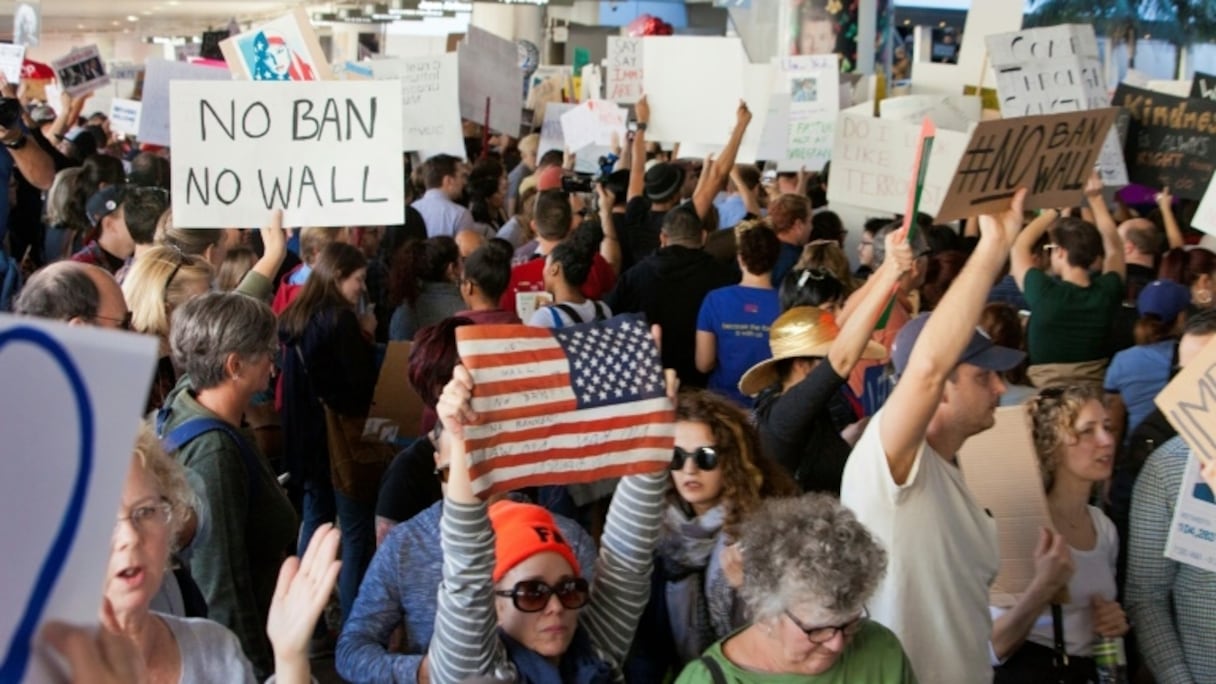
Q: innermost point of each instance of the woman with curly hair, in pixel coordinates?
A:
(719, 475)
(1076, 449)
(809, 568)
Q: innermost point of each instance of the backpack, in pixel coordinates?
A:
(185, 433)
(600, 314)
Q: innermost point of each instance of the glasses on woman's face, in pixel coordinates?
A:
(705, 457)
(148, 515)
(825, 633)
(123, 323)
(531, 596)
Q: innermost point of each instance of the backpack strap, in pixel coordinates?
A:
(600, 313)
(715, 670)
(185, 433)
(569, 311)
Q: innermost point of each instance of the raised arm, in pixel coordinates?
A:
(637, 161)
(750, 202)
(610, 246)
(1112, 244)
(849, 344)
(1173, 232)
(31, 160)
(717, 173)
(916, 395)
(1022, 258)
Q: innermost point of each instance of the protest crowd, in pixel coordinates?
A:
(785, 493)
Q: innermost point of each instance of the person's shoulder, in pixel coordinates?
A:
(207, 634)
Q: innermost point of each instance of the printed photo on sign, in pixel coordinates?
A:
(804, 90)
(81, 71)
(285, 49)
(67, 449)
(27, 23)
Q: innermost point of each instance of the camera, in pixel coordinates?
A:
(577, 183)
(10, 112)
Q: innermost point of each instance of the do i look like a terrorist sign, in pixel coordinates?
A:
(328, 153)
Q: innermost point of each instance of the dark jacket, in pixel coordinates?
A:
(668, 287)
(341, 371)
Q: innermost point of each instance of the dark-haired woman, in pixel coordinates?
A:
(329, 357)
(488, 195)
(566, 270)
(487, 272)
(424, 281)
(732, 326)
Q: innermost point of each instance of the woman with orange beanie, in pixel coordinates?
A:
(512, 603)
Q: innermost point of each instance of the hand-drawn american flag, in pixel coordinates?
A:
(565, 405)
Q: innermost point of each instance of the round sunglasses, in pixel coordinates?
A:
(531, 596)
(705, 457)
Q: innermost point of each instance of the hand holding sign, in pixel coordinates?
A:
(1005, 226)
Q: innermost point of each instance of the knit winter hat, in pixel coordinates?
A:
(523, 530)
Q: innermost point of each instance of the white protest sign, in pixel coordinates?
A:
(932, 78)
(985, 18)
(624, 71)
(813, 84)
(80, 71)
(1052, 70)
(11, 58)
(1205, 216)
(154, 110)
(126, 71)
(552, 136)
(489, 69)
(430, 104)
(592, 83)
(27, 22)
(872, 162)
(1192, 538)
(1175, 88)
(124, 116)
(693, 85)
(327, 153)
(951, 112)
(595, 122)
(67, 449)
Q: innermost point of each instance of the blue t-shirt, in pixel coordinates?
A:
(1138, 374)
(787, 257)
(739, 317)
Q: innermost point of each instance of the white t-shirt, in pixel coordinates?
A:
(1095, 574)
(552, 316)
(942, 556)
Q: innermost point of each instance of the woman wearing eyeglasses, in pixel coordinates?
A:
(512, 602)
(1075, 445)
(809, 567)
(188, 650)
(718, 476)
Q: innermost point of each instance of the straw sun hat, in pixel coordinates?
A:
(800, 332)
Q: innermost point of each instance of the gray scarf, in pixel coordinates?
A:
(685, 548)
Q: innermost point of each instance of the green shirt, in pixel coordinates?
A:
(1070, 324)
(874, 656)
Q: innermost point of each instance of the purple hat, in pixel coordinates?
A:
(980, 350)
(1164, 299)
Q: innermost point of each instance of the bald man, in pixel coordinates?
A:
(1143, 242)
(468, 241)
(80, 294)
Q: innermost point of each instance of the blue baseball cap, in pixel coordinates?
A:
(980, 349)
(1164, 299)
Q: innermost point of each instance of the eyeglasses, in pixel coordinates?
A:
(825, 633)
(1049, 246)
(124, 323)
(148, 515)
(531, 596)
(181, 259)
(705, 457)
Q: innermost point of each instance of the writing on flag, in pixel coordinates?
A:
(566, 405)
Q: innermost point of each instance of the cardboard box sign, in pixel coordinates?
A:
(1171, 140)
(1052, 156)
(1203, 86)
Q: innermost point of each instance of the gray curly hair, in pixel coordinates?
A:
(808, 549)
(170, 478)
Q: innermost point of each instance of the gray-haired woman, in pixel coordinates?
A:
(809, 567)
(225, 344)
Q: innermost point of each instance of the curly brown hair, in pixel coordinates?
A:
(1053, 414)
(748, 476)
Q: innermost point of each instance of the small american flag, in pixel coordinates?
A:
(565, 405)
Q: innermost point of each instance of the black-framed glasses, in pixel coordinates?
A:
(124, 323)
(531, 596)
(822, 634)
(705, 457)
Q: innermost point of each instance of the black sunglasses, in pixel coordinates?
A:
(705, 457)
(531, 596)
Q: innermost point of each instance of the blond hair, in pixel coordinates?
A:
(160, 280)
(237, 263)
(314, 240)
(1053, 414)
(169, 476)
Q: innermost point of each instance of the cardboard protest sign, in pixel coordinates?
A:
(154, 109)
(1051, 70)
(1171, 141)
(595, 122)
(1189, 403)
(124, 116)
(489, 69)
(11, 59)
(27, 23)
(676, 71)
(551, 411)
(1002, 472)
(67, 450)
(1052, 156)
(284, 49)
(430, 105)
(623, 78)
(1192, 538)
(80, 71)
(1204, 86)
(543, 93)
(328, 154)
(872, 161)
(396, 410)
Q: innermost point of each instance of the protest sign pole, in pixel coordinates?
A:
(485, 132)
(907, 231)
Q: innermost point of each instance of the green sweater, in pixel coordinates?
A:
(236, 559)
(874, 656)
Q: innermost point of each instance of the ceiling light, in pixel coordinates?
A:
(132, 17)
(114, 23)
